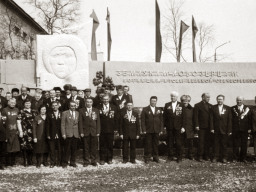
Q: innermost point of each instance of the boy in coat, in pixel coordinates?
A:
(89, 126)
(129, 132)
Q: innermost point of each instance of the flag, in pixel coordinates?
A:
(194, 31)
(109, 34)
(158, 35)
(94, 28)
(183, 28)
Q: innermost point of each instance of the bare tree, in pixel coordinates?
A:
(12, 44)
(171, 27)
(56, 14)
(205, 41)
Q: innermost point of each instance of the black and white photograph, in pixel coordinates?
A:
(127, 95)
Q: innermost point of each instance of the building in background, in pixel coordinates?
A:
(17, 32)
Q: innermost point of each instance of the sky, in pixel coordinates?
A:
(133, 27)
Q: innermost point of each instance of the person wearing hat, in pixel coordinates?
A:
(107, 91)
(23, 97)
(87, 94)
(98, 99)
(59, 98)
(3, 100)
(74, 97)
(15, 92)
(67, 95)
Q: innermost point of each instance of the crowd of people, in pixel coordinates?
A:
(50, 124)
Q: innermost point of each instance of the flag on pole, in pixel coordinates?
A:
(158, 35)
(194, 31)
(93, 42)
(183, 27)
(109, 34)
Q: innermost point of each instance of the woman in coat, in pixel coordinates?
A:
(26, 142)
(39, 137)
(189, 124)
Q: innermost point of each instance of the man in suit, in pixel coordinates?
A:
(87, 94)
(221, 126)
(53, 133)
(66, 96)
(202, 126)
(241, 126)
(37, 101)
(23, 97)
(253, 126)
(3, 100)
(152, 127)
(61, 100)
(174, 122)
(70, 134)
(78, 100)
(120, 99)
(98, 99)
(15, 93)
(126, 90)
(48, 102)
(109, 124)
(89, 126)
(129, 132)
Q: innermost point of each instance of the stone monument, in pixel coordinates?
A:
(61, 59)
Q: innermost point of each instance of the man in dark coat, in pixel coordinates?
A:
(221, 126)
(253, 126)
(61, 99)
(23, 97)
(152, 127)
(241, 125)
(2, 140)
(3, 100)
(189, 124)
(48, 102)
(15, 93)
(37, 101)
(98, 99)
(126, 92)
(129, 132)
(89, 126)
(74, 97)
(53, 133)
(202, 126)
(174, 122)
(109, 124)
(120, 99)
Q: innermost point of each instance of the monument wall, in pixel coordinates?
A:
(160, 79)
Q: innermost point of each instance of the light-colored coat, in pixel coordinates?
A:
(69, 125)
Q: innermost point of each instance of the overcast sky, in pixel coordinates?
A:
(133, 27)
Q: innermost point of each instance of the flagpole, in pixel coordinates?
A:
(180, 42)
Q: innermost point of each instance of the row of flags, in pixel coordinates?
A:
(158, 38)
(183, 27)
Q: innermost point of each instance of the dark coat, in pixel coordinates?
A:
(12, 115)
(79, 101)
(36, 104)
(221, 123)
(3, 102)
(53, 125)
(189, 122)
(202, 115)
(20, 101)
(253, 118)
(89, 125)
(117, 102)
(69, 125)
(39, 132)
(130, 97)
(108, 121)
(2, 129)
(97, 101)
(239, 124)
(174, 120)
(152, 123)
(129, 129)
